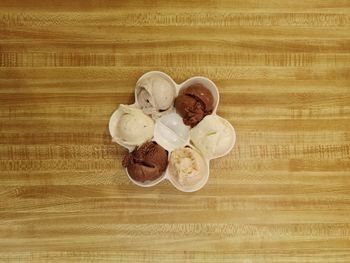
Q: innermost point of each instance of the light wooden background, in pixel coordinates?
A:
(283, 71)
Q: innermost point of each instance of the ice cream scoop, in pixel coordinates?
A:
(194, 103)
(187, 167)
(213, 136)
(132, 126)
(147, 162)
(155, 94)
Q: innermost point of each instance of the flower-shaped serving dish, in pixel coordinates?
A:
(171, 133)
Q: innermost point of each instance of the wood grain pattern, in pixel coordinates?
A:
(283, 71)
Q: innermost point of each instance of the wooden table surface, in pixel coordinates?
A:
(283, 71)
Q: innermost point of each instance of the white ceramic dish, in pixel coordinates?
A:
(171, 133)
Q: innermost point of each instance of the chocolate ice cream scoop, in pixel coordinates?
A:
(194, 103)
(147, 162)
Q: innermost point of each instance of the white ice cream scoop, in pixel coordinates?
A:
(213, 136)
(129, 126)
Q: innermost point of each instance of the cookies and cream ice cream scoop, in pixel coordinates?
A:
(155, 94)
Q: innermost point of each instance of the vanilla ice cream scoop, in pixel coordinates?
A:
(213, 136)
(155, 94)
(187, 167)
(132, 126)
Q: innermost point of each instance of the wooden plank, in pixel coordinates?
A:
(283, 72)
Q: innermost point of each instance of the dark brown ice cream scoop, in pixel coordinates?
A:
(147, 162)
(193, 103)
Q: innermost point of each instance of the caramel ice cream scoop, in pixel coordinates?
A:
(187, 167)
